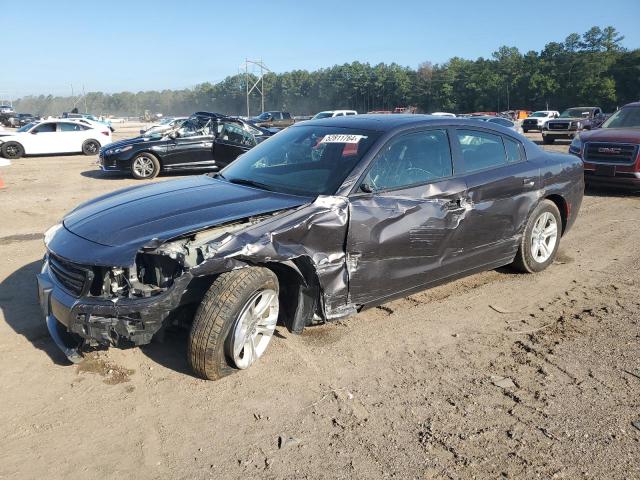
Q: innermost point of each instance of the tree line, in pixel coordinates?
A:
(589, 69)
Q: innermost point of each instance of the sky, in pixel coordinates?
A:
(134, 45)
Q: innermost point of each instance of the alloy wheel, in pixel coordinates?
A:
(143, 166)
(544, 237)
(254, 328)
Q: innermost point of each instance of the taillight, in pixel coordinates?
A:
(106, 133)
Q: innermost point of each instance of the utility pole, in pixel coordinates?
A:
(259, 81)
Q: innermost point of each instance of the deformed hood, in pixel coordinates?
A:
(166, 210)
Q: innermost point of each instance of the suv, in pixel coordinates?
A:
(571, 122)
(333, 113)
(273, 120)
(536, 120)
(611, 153)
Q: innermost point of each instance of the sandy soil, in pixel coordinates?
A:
(500, 375)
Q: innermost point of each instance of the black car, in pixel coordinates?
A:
(22, 119)
(205, 141)
(325, 219)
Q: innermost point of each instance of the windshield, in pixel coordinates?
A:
(575, 113)
(302, 160)
(264, 116)
(27, 127)
(628, 117)
(538, 114)
(322, 115)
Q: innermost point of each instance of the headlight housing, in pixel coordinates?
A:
(576, 146)
(50, 233)
(113, 151)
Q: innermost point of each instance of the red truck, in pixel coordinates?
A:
(611, 153)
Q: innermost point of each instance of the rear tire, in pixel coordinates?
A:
(525, 130)
(217, 327)
(12, 150)
(547, 140)
(91, 147)
(540, 240)
(145, 166)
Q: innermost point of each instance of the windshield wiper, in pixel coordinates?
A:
(250, 183)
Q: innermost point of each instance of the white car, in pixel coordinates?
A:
(443, 114)
(536, 120)
(164, 125)
(334, 113)
(53, 136)
(91, 123)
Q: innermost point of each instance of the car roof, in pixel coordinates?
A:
(385, 123)
(632, 104)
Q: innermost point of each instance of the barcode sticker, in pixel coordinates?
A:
(341, 138)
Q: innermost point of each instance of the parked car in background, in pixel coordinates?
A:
(443, 114)
(205, 141)
(333, 113)
(571, 122)
(536, 120)
(611, 153)
(21, 119)
(92, 123)
(273, 119)
(325, 219)
(166, 124)
(7, 109)
(498, 121)
(88, 116)
(51, 137)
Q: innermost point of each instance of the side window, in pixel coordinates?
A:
(69, 127)
(235, 134)
(286, 115)
(513, 149)
(411, 159)
(350, 113)
(45, 128)
(481, 150)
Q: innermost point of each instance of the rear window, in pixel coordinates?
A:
(481, 150)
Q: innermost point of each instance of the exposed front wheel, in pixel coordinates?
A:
(547, 140)
(540, 240)
(234, 323)
(12, 150)
(145, 166)
(90, 147)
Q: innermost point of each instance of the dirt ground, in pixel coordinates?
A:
(500, 375)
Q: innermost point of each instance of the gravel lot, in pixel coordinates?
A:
(500, 375)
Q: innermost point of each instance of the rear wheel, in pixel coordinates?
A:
(525, 130)
(144, 166)
(12, 150)
(90, 147)
(540, 240)
(234, 323)
(547, 140)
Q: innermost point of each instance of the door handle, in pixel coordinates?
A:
(528, 182)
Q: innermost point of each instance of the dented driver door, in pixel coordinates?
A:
(405, 227)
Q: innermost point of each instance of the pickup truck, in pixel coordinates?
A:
(571, 122)
(272, 120)
(536, 120)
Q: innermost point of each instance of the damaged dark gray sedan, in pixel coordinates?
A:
(322, 220)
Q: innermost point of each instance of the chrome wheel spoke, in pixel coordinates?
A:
(544, 236)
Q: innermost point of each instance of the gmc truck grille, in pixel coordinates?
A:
(74, 278)
(530, 123)
(558, 125)
(614, 153)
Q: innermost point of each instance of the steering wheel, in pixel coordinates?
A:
(430, 174)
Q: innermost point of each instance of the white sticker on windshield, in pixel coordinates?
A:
(340, 138)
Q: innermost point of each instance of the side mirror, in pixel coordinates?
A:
(174, 135)
(33, 132)
(366, 188)
(141, 132)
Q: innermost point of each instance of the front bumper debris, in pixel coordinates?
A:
(121, 322)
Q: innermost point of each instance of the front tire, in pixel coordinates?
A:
(525, 130)
(540, 240)
(234, 322)
(12, 150)
(145, 166)
(547, 140)
(91, 147)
